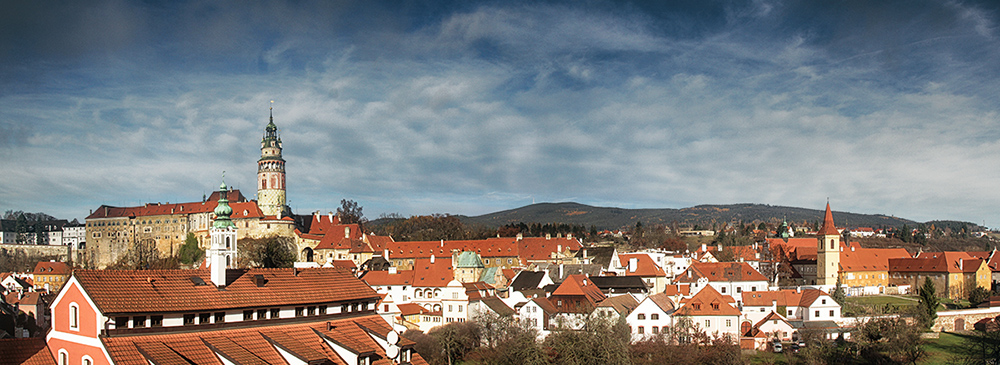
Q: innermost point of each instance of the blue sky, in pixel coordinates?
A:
(473, 107)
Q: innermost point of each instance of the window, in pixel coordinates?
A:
(831, 313)
(74, 316)
(723, 290)
(156, 321)
(275, 313)
(654, 316)
(87, 361)
(311, 310)
(641, 330)
(655, 329)
(817, 314)
(220, 317)
(63, 357)
(138, 321)
(449, 308)
(708, 323)
(753, 288)
(204, 318)
(739, 290)
(729, 323)
(299, 311)
(261, 314)
(824, 301)
(121, 322)
(487, 261)
(344, 308)
(188, 319)
(322, 309)
(789, 312)
(248, 315)
(642, 316)
(460, 308)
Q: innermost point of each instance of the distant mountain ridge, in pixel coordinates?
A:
(703, 215)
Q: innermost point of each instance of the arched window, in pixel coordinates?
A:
(228, 243)
(74, 316)
(263, 183)
(87, 360)
(63, 357)
(228, 263)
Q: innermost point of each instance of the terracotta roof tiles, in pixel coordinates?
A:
(28, 351)
(131, 291)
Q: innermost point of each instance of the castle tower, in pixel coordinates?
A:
(221, 255)
(271, 173)
(827, 251)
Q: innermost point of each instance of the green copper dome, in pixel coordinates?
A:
(223, 210)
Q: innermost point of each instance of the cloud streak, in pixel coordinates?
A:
(470, 108)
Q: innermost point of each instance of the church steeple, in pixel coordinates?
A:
(271, 196)
(221, 255)
(827, 251)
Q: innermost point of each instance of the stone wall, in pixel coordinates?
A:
(62, 253)
(963, 319)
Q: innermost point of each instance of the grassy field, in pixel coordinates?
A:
(942, 350)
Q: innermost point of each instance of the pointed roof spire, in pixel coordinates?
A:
(828, 227)
(223, 210)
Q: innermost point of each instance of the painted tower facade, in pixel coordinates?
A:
(271, 173)
(221, 254)
(827, 251)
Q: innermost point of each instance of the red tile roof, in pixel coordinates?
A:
(950, 261)
(235, 197)
(256, 345)
(677, 289)
(720, 272)
(139, 291)
(52, 268)
(27, 351)
(785, 297)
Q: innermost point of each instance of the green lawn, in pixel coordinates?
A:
(941, 350)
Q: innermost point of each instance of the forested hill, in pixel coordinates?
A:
(702, 215)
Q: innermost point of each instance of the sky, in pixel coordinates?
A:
(471, 107)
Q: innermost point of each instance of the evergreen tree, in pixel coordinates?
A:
(927, 308)
(838, 293)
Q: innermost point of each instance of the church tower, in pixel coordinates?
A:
(827, 251)
(271, 173)
(221, 254)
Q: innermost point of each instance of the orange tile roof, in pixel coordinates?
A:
(677, 289)
(720, 272)
(139, 291)
(858, 258)
(580, 285)
(381, 278)
(437, 274)
(708, 302)
(235, 197)
(27, 351)
(829, 228)
(644, 265)
(256, 345)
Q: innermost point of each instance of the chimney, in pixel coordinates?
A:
(347, 232)
(569, 236)
(774, 307)
(520, 236)
(259, 280)
(558, 248)
(960, 264)
(331, 216)
(560, 271)
(432, 259)
(279, 214)
(585, 253)
(632, 264)
(798, 290)
(392, 270)
(719, 247)
(442, 242)
(852, 248)
(385, 254)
